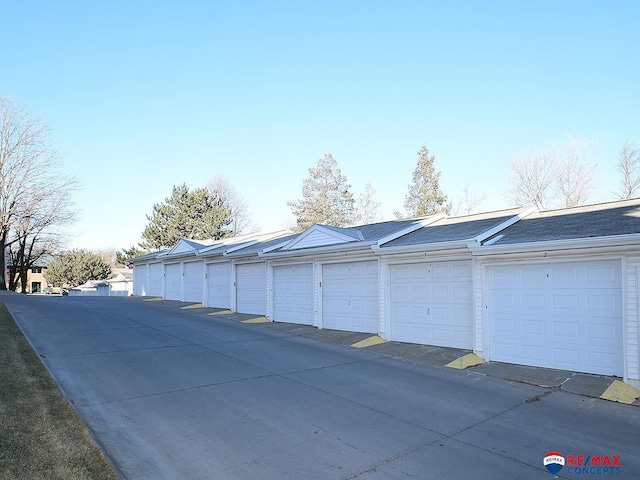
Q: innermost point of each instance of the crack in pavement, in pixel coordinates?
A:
(452, 436)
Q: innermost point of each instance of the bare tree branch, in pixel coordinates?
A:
(469, 201)
(367, 208)
(34, 191)
(575, 174)
(240, 215)
(558, 178)
(629, 168)
(531, 178)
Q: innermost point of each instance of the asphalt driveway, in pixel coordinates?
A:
(173, 393)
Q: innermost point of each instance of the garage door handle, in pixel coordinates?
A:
(428, 311)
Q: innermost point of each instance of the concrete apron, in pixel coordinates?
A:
(595, 386)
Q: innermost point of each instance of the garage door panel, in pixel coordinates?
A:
(604, 276)
(572, 321)
(251, 290)
(155, 279)
(568, 275)
(173, 280)
(431, 303)
(535, 353)
(219, 285)
(193, 281)
(350, 296)
(532, 327)
(606, 334)
(603, 360)
(293, 294)
(602, 303)
(415, 294)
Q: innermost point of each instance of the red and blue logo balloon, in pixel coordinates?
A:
(554, 462)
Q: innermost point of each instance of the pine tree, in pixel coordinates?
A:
(424, 196)
(196, 215)
(76, 267)
(326, 198)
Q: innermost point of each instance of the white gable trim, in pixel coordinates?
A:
(180, 247)
(320, 236)
(411, 228)
(507, 223)
(239, 247)
(209, 248)
(186, 247)
(272, 248)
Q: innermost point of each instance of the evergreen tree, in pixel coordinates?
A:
(76, 267)
(326, 198)
(196, 215)
(424, 196)
(123, 256)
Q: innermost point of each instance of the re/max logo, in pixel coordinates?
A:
(593, 461)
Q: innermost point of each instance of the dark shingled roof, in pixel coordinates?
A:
(376, 231)
(607, 219)
(454, 229)
(256, 248)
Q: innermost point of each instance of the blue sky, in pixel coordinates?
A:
(143, 95)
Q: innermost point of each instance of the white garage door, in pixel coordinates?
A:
(432, 304)
(558, 315)
(193, 281)
(172, 280)
(251, 289)
(140, 280)
(350, 296)
(155, 279)
(219, 285)
(293, 294)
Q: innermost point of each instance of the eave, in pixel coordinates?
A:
(611, 243)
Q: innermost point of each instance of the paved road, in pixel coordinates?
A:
(180, 394)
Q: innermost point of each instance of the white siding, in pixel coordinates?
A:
(632, 324)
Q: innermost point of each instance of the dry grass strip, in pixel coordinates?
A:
(41, 436)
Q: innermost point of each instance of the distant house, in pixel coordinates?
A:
(36, 283)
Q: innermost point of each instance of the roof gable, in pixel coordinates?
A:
(323, 235)
(188, 246)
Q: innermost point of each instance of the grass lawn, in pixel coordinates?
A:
(41, 436)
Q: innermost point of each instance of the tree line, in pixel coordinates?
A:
(36, 197)
(560, 177)
(212, 212)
